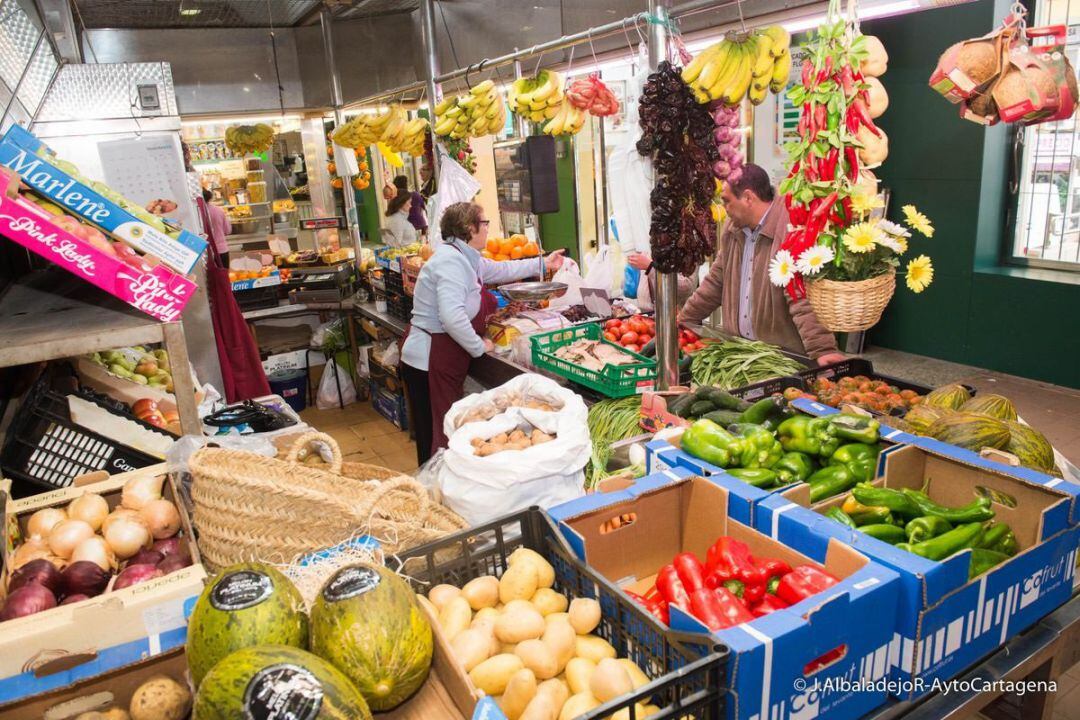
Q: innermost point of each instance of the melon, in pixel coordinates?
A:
(995, 406)
(278, 681)
(971, 431)
(368, 623)
(922, 416)
(948, 396)
(245, 605)
(1031, 447)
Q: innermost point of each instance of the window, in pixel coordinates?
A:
(1048, 196)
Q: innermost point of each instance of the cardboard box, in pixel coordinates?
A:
(663, 456)
(769, 654)
(98, 378)
(54, 648)
(23, 153)
(945, 622)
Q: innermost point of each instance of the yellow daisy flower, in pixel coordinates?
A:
(918, 221)
(865, 203)
(920, 273)
(861, 237)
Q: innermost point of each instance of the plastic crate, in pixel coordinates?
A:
(394, 282)
(859, 366)
(258, 298)
(45, 450)
(410, 272)
(688, 678)
(768, 387)
(400, 307)
(390, 405)
(614, 380)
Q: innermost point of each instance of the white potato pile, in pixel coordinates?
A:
(530, 648)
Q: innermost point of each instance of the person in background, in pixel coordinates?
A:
(643, 262)
(418, 208)
(738, 281)
(222, 227)
(449, 319)
(399, 231)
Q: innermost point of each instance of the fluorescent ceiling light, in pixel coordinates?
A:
(190, 11)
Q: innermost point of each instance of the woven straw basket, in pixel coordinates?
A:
(853, 305)
(250, 507)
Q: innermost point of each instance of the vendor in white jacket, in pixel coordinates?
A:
(449, 317)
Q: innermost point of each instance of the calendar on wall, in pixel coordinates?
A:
(150, 171)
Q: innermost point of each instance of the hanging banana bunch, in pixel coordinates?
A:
(479, 112)
(741, 65)
(568, 120)
(538, 98)
(247, 139)
(404, 135)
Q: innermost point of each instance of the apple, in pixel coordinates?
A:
(144, 406)
(156, 419)
(171, 416)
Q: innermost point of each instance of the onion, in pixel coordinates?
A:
(168, 546)
(146, 557)
(90, 508)
(33, 549)
(135, 574)
(174, 563)
(118, 513)
(67, 534)
(43, 521)
(140, 490)
(85, 578)
(27, 600)
(127, 536)
(36, 572)
(71, 599)
(162, 517)
(97, 551)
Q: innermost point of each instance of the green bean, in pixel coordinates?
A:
(738, 362)
(609, 422)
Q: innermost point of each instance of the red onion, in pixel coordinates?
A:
(174, 563)
(135, 574)
(39, 572)
(71, 599)
(27, 600)
(167, 546)
(85, 578)
(146, 557)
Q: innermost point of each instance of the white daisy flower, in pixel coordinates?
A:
(897, 244)
(814, 259)
(893, 228)
(782, 269)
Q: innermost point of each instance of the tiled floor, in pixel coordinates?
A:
(365, 436)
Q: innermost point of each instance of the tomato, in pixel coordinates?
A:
(644, 339)
(611, 324)
(691, 336)
(632, 348)
(637, 325)
(629, 338)
(610, 336)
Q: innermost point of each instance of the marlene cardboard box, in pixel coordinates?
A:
(945, 621)
(769, 655)
(56, 647)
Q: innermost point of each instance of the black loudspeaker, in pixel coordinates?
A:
(543, 185)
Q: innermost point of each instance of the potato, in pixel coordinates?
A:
(609, 680)
(516, 605)
(624, 714)
(519, 624)
(520, 691)
(548, 602)
(455, 616)
(560, 637)
(636, 675)
(481, 592)
(160, 698)
(472, 647)
(507, 648)
(556, 689)
(519, 582)
(115, 713)
(649, 710)
(546, 573)
(593, 648)
(551, 695)
(494, 674)
(578, 672)
(578, 705)
(584, 615)
(486, 625)
(442, 594)
(538, 657)
(557, 617)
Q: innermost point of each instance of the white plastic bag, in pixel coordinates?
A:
(527, 387)
(630, 204)
(603, 271)
(327, 397)
(570, 274)
(455, 185)
(482, 488)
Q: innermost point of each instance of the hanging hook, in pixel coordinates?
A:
(468, 69)
(592, 49)
(536, 70)
(570, 62)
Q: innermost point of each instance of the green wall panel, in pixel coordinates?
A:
(559, 230)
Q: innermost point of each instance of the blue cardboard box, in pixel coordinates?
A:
(660, 455)
(945, 621)
(769, 656)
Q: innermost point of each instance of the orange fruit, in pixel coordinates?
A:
(329, 151)
(337, 183)
(500, 257)
(363, 166)
(518, 240)
(515, 253)
(486, 253)
(492, 246)
(331, 168)
(505, 246)
(530, 249)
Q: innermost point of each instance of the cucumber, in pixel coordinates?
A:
(701, 407)
(680, 404)
(722, 400)
(723, 418)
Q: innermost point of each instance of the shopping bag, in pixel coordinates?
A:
(327, 397)
(455, 185)
(570, 275)
(600, 270)
(529, 392)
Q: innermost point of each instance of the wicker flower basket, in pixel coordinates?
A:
(851, 306)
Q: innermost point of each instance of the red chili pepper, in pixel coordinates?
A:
(767, 604)
(821, 120)
(691, 571)
(851, 121)
(862, 115)
(831, 161)
(718, 609)
(798, 214)
(810, 173)
(671, 588)
(852, 157)
(847, 81)
(807, 70)
(802, 582)
(799, 291)
(845, 206)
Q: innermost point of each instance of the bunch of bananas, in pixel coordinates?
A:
(405, 135)
(363, 130)
(741, 65)
(538, 98)
(479, 112)
(246, 139)
(568, 120)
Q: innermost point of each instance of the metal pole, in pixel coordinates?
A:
(352, 218)
(434, 90)
(519, 120)
(667, 346)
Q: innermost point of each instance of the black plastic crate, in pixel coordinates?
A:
(394, 282)
(257, 298)
(688, 677)
(858, 366)
(45, 450)
(400, 307)
(768, 387)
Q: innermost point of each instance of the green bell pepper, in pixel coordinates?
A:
(762, 410)
(795, 435)
(950, 543)
(758, 477)
(999, 537)
(829, 481)
(884, 532)
(708, 441)
(794, 467)
(976, 511)
(840, 516)
(859, 458)
(854, 428)
(760, 448)
(865, 514)
(926, 527)
(983, 560)
(895, 500)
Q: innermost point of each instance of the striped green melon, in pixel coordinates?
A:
(995, 406)
(948, 396)
(922, 416)
(1031, 446)
(971, 431)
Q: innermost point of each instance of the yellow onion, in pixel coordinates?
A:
(90, 508)
(43, 521)
(140, 490)
(126, 536)
(97, 551)
(161, 517)
(66, 535)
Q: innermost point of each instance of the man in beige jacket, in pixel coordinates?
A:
(738, 282)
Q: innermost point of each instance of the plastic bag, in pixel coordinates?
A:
(631, 278)
(521, 392)
(392, 355)
(570, 274)
(630, 204)
(600, 271)
(329, 337)
(428, 475)
(455, 185)
(327, 397)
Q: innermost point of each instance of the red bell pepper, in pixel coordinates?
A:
(718, 608)
(690, 570)
(652, 594)
(773, 569)
(802, 582)
(749, 594)
(731, 558)
(657, 606)
(767, 604)
(671, 588)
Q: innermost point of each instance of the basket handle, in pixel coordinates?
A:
(301, 443)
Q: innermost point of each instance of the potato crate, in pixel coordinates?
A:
(687, 677)
(614, 380)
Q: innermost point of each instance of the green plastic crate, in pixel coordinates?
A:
(614, 380)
